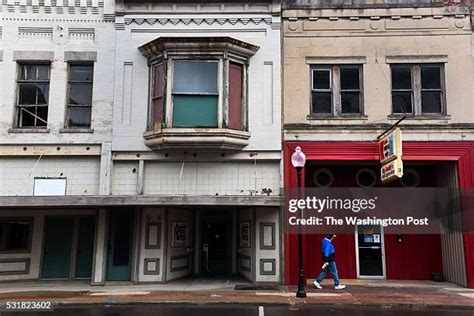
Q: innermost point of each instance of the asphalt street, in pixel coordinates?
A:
(233, 310)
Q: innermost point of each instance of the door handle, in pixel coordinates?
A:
(205, 248)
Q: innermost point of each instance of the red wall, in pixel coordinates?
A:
(418, 255)
(413, 259)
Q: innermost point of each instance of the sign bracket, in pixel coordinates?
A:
(392, 127)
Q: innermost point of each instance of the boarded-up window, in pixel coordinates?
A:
(195, 94)
(158, 87)
(235, 96)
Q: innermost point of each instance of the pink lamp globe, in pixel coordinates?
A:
(298, 159)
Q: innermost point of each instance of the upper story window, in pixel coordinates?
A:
(33, 95)
(418, 89)
(79, 104)
(198, 92)
(336, 90)
(195, 93)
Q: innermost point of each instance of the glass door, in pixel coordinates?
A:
(370, 252)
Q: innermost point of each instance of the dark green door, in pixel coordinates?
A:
(85, 246)
(57, 248)
(119, 248)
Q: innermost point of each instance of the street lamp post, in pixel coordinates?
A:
(298, 160)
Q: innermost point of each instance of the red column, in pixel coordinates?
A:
(466, 180)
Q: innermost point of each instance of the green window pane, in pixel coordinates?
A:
(194, 111)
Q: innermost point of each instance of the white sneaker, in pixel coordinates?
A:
(317, 285)
(340, 287)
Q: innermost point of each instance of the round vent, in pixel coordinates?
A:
(410, 179)
(323, 177)
(366, 178)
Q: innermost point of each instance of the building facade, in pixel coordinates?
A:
(350, 71)
(140, 141)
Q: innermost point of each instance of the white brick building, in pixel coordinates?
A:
(155, 128)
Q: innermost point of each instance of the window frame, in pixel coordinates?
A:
(223, 58)
(30, 220)
(336, 90)
(68, 91)
(416, 89)
(171, 93)
(18, 107)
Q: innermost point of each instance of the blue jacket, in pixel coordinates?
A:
(329, 254)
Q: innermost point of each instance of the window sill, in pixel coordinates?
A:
(76, 130)
(8, 252)
(337, 118)
(196, 138)
(28, 130)
(434, 117)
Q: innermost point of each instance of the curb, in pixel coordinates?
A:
(401, 306)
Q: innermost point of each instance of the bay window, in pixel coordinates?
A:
(198, 94)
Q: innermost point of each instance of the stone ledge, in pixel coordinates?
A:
(10, 202)
(28, 130)
(197, 138)
(76, 130)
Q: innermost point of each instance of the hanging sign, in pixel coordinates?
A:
(390, 147)
(392, 170)
(390, 152)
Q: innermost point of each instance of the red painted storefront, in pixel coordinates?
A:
(420, 254)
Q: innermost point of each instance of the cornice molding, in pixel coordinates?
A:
(198, 21)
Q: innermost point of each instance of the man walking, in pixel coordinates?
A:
(329, 258)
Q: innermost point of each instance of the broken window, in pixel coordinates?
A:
(79, 104)
(33, 95)
(417, 89)
(15, 234)
(336, 90)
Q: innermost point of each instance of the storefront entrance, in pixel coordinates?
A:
(68, 247)
(119, 247)
(370, 252)
(216, 245)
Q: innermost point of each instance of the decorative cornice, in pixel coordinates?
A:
(159, 45)
(198, 21)
(53, 20)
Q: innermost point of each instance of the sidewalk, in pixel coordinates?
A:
(407, 294)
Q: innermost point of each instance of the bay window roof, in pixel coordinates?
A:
(158, 46)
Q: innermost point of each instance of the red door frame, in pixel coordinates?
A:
(460, 152)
